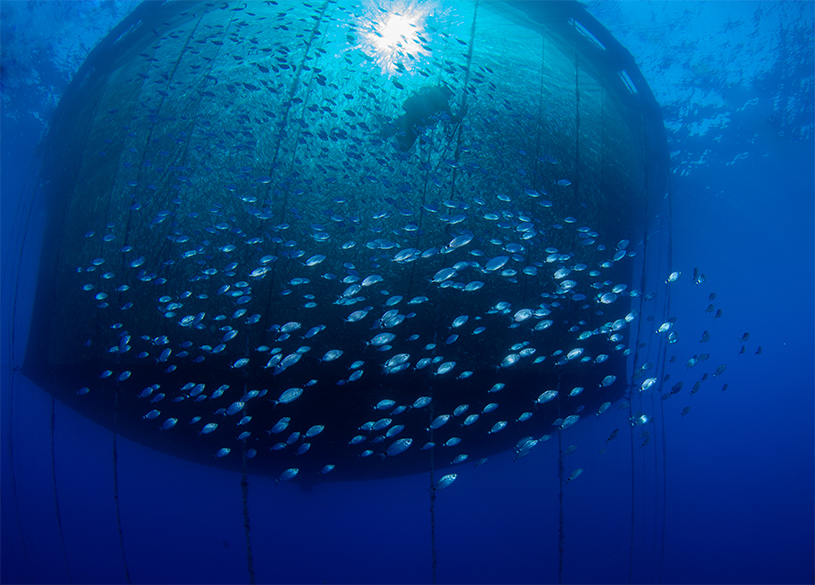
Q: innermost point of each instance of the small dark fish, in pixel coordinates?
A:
(613, 435)
(758, 351)
(745, 337)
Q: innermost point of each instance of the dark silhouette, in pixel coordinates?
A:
(423, 108)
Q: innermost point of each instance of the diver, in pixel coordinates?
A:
(422, 109)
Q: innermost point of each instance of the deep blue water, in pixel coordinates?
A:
(735, 81)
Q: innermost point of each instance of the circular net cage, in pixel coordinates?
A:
(344, 237)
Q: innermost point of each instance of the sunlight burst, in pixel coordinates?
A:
(396, 37)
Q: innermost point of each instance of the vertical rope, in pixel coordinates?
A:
(561, 523)
(283, 178)
(247, 528)
(250, 561)
(633, 485)
(661, 358)
(538, 176)
(661, 406)
(434, 559)
(116, 482)
(11, 467)
(420, 221)
(170, 80)
(660, 372)
(469, 61)
(656, 478)
(560, 465)
(56, 497)
(664, 490)
(540, 110)
(463, 107)
(636, 358)
(561, 541)
(576, 181)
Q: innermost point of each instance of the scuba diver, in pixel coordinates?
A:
(422, 109)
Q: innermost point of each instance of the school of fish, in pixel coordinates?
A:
(273, 283)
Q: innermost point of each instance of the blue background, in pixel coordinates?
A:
(735, 81)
